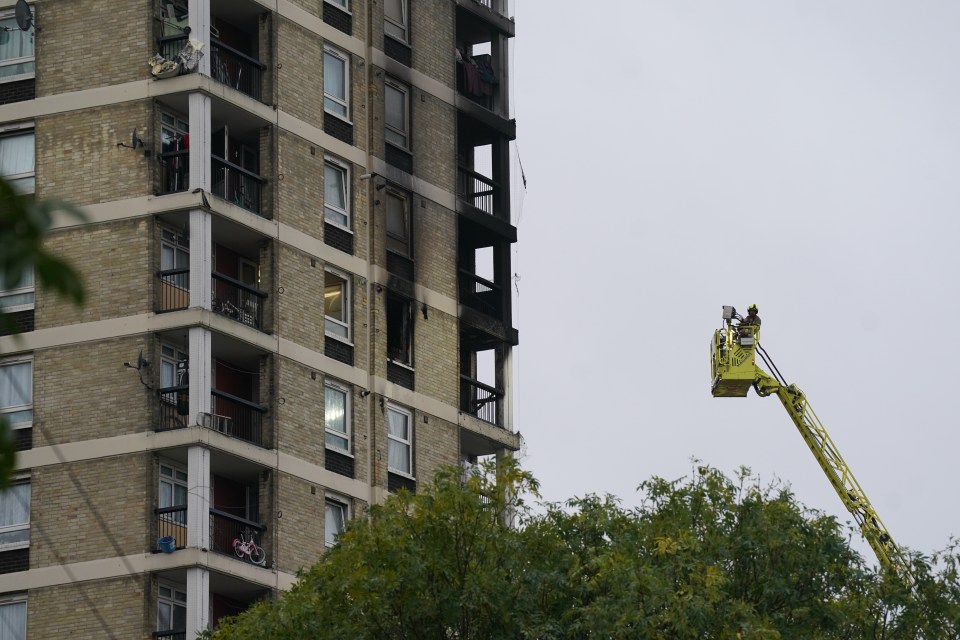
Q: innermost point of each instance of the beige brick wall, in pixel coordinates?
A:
(301, 413)
(92, 43)
(89, 510)
(300, 77)
(83, 391)
(433, 24)
(435, 355)
(435, 443)
(301, 304)
(301, 191)
(300, 531)
(435, 246)
(77, 154)
(115, 608)
(114, 261)
(434, 126)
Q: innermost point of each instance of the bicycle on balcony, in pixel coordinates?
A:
(244, 546)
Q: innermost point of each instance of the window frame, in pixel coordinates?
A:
(404, 90)
(403, 26)
(9, 14)
(346, 434)
(343, 7)
(344, 102)
(346, 302)
(408, 443)
(17, 130)
(173, 360)
(337, 501)
(18, 481)
(24, 288)
(174, 482)
(339, 165)
(171, 601)
(15, 599)
(407, 210)
(18, 408)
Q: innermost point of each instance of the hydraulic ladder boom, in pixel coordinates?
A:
(734, 371)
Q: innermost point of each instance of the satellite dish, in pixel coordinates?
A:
(23, 15)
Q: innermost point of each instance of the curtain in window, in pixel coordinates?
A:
(398, 453)
(16, 157)
(335, 408)
(334, 193)
(13, 621)
(396, 115)
(16, 385)
(334, 84)
(334, 521)
(14, 44)
(15, 300)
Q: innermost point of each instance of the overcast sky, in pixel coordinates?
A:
(682, 155)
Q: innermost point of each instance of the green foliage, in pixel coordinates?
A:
(701, 557)
(24, 222)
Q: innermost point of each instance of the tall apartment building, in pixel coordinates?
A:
(297, 264)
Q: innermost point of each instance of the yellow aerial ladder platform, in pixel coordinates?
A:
(733, 371)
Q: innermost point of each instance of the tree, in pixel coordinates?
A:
(24, 222)
(702, 557)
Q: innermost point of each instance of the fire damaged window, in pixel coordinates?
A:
(400, 330)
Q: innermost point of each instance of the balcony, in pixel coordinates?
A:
(169, 635)
(226, 528)
(480, 400)
(228, 66)
(480, 294)
(173, 290)
(172, 521)
(477, 190)
(174, 171)
(237, 185)
(239, 301)
(230, 415)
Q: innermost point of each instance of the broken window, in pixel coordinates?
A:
(400, 330)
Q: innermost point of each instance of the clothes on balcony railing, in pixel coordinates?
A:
(477, 77)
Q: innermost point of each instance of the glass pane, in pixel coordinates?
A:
(337, 329)
(179, 617)
(332, 215)
(16, 385)
(398, 457)
(334, 187)
(334, 84)
(393, 9)
(337, 442)
(163, 616)
(16, 154)
(166, 495)
(13, 621)
(396, 216)
(335, 408)
(15, 44)
(16, 300)
(396, 108)
(334, 521)
(333, 298)
(15, 505)
(397, 424)
(179, 496)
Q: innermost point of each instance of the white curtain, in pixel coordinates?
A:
(398, 453)
(13, 621)
(16, 385)
(15, 44)
(15, 505)
(26, 282)
(334, 521)
(335, 408)
(334, 84)
(16, 157)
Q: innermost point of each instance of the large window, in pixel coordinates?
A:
(399, 440)
(173, 491)
(336, 405)
(20, 297)
(336, 304)
(336, 83)
(400, 330)
(17, 158)
(16, 50)
(397, 114)
(396, 19)
(337, 514)
(171, 607)
(16, 391)
(15, 516)
(336, 193)
(13, 618)
(398, 222)
(174, 365)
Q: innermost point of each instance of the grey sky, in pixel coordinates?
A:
(684, 155)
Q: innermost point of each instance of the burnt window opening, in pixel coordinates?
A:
(400, 330)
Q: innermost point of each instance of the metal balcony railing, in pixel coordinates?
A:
(225, 528)
(237, 185)
(172, 521)
(174, 407)
(173, 289)
(236, 417)
(234, 299)
(174, 171)
(235, 69)
(479, 400)
(476, 189)
(169, 635)
(170, 46)
(480, 294)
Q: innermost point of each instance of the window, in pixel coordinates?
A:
(400, 330)
(171, 607)
(396, 19)
(336, 83)
(336, 193)
(13, 618)
(174, 152)
(173, 492)
(17, 158)
(397, 114)
(399, 440)
(336, 405)
(337, 514)
(15, 515)
(398, 222)
(20, 297)
(343, 4)
(336, 304)
(16, 391)
(175, 255)
(16, 50)
(174, 364)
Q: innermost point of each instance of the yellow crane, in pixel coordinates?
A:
(733, 371)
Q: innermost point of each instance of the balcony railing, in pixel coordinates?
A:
(234, 299)
(237, 417)
(174, 407)
(480, 294)
(479, 400)
(172, 521)
(476, 189)
(235, 69)
(174, 171)
(169, 635)
(225, 528)
(170, 46)
(237, 185)
(173, 292)
(499, 6)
